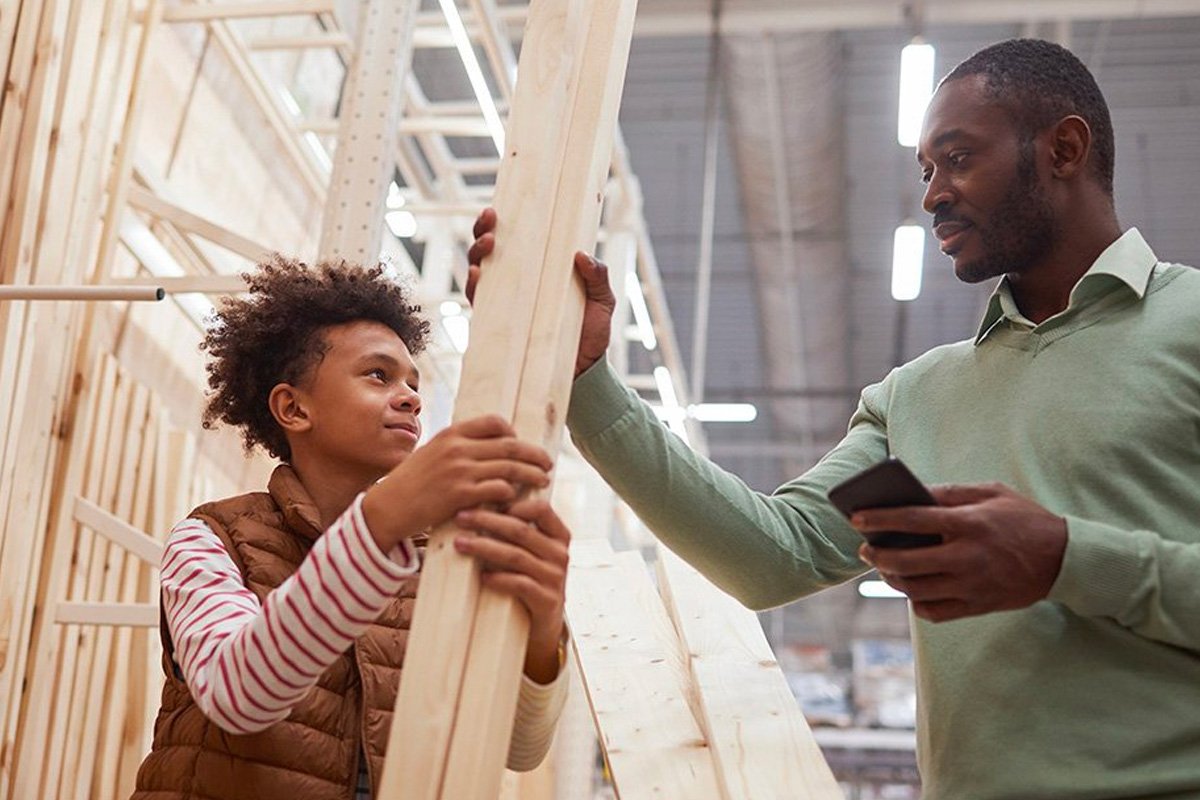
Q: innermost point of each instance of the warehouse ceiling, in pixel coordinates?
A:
(811, 185)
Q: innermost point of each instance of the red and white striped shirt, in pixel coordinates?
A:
(247, 664)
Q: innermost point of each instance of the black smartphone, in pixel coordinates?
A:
(888, 484)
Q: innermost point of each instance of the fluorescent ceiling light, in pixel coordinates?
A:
(466, 52)
(672, 414)
(641, 313)
(916, 87)
(908, 258)
(723, 412)
(666, 389)
(401, 223)
(159, 262)
(879, 589)
(459, 330)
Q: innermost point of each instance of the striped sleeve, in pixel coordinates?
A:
(248, 663)
(538, 709)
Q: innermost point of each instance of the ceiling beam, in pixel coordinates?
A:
(689, 18)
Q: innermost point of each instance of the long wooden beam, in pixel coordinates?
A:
(118, 531)
(760, 741)
(140, 615)
(204, 12)
(185, 220)
(637, 678)
(549, 194)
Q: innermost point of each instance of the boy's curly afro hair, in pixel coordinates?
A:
(275, 336)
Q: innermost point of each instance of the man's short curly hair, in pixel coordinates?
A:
(275, 336)
(1044, 83)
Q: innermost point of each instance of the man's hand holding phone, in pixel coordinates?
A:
(998, 550)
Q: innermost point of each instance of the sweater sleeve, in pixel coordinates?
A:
(247, 664)
(1139, 579)
(538, 708)
(765, 550)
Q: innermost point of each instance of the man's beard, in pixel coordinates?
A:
(1020, 230)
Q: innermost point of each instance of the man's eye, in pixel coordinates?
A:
(926, 177)
(378, 373)
(956, 159)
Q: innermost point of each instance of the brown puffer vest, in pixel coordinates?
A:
(314, 753)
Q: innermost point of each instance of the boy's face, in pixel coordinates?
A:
(362, 401)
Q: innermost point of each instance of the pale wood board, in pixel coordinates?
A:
(501, 625)
(761, 743)
(89, 442)
(636, 678)
(506, 298)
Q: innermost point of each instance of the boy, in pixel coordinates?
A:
(286, 613)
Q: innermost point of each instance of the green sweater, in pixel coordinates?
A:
(1095, 414)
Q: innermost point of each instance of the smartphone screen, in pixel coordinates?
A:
(888, 484)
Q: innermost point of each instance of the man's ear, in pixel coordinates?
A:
(1071, 147)
(289, 408)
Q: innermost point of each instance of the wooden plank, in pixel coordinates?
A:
(352, 224)
(435, 662)
(636, 678)
(125, 712)
(193, 223)
(12, 664)
(118, 531)
(103, 582)
(266, 98)
(35, 749)
(74, 665)
(335, 40)
(500, 627)
(81, 612)
(205, 12)
(760, 741)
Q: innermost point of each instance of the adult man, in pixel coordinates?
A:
(1057, 627)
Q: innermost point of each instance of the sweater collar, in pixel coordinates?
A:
(1128, 261)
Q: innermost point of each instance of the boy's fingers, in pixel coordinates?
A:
(484, 427)
(517, 473)
(547, 547)
(541, 514)
(497, 555)
(507, 448)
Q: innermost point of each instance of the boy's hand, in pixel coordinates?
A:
(600, 303)
(466, 465)
(524, 553)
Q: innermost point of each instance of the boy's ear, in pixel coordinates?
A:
(288, 407)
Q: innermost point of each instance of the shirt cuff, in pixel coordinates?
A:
(598, 400)
(1102, 569)
(402, 562)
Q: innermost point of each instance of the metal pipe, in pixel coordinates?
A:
(87, 293)
(708, 208)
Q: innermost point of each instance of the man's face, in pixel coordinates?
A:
(362, 400)
(990, 210)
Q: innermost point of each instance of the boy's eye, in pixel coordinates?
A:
(378, 373)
